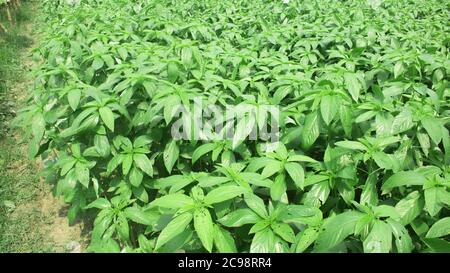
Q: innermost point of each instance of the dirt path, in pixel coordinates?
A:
(34, 220)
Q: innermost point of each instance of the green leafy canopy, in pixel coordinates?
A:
(362, 162)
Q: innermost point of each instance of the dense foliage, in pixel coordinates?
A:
(362, 86)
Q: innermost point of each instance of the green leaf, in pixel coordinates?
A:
(310, 131)
(259, 163)
(114, 163)
(369, 194)
(127, 163)
(82, 173)
(227, 157)
(223, 193)
(301, 214)
(33, 148)
(122, 227)
(297, 173)
(365, 116)
(171, 155)
(186, 56)
(140, 193)
(136, 177)
(209, 181)
(305, 239)
(72, 213)
(406, 178)
(143, 163)
(145, 245)
(281, 151)
(263, 242)
(439, 229)
(352, 145)
(243, 128)
(433, 127)
(284, 231)
(239, 218)
(140, 216)
(104, 246)
(383, 160)
(107, 116)
(314, 179)
(97, 63)
(175, 227)
(402, 122)
(394, 89)
(256, 204)
(38, 126)
(419, 227)
(255, 179)
(444, 197)
(346, 117)
(379, 239)
(197, 193)
(328, 108)
(100, 203)
(271, 168)
(318, 194)
(173, 201)
(278, 188)
(432, 201)
(141, 141)
(178, 242)
(224, 241)
(173, 181)
(364, 224)
(437, 245)
(424, 142)
(403, 241)
(352, 84)
(202, 150)
(336, 229)
(172, 71)
(171, 105)
(122, 52)
(74, 98)
(102, 146)
(261, 225)
(398, 69)
(281, 93)
(204, 227)
(301, 158)
(410, 207)
(386, 211)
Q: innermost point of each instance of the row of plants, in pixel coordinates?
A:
(362, 89)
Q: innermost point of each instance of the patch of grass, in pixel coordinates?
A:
(11, 43)
(19, 184)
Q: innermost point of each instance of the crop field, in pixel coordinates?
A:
(241, 126)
